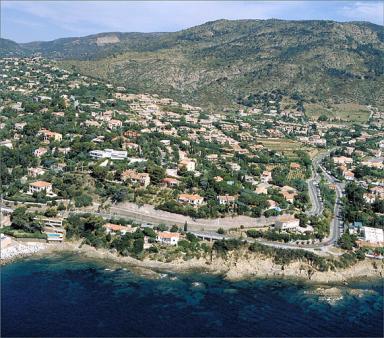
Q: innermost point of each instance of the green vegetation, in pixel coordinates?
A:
(146, 62)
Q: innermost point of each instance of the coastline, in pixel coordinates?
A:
(235, 267)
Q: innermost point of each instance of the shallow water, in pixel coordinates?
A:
(66, 295)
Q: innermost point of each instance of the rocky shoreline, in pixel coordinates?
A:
(233, 267)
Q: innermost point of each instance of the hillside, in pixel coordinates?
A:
(215, 63)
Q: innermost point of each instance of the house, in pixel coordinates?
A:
(40, 186)
(262, 188)
(113, 229)
(266, 177)
(355, 227)
(348, 175)
(170, 238)
(6, 143)
(218, 179)
(273, 205)
(376, 163)
(369, 198)
(226, 200)
(189, 165)
(234, 166)
(114, 124)
(191, 199)
(170, 182)
(295, 166)
(373, 235)
(109, 153)
(40, 152)
(48, 135)
(34, 172)
(287, 222)
(288, 193)
(136, 178)
(212, 157)
(342, 160)
(378, 191)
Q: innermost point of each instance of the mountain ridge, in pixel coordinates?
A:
(219, 61)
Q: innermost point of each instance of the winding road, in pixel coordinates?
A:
(209, 227)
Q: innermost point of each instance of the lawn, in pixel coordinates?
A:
(286, 147)
(346, 112)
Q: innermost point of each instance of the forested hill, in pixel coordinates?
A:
(215, 63)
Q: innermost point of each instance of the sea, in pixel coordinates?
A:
(67, 295)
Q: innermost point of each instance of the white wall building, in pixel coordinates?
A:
(373, 235)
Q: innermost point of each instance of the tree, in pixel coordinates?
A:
(51, 212)
(138, 246)
(221, 231)
(322, 118)
(174, 228)
(185, 226)
(83, 200)
(155, 172)
(347, 241)
(23, 220)
(149, 232)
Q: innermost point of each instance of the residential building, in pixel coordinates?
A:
(287, 222)
(170, 182)
(191, 199)
(34, 172)
(266, 177)
(226, 200)
(134, 177)
(109, 153)
(114, 124)
(189, 165)
(169, 238)
(373, 235)
(117, 228)
(49, 135)
(40, 186)
(342, 160)
(39, 152)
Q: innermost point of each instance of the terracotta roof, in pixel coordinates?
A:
(40, 184)
(286, 218)
(190, 197)
(116, 227)
(168, 235)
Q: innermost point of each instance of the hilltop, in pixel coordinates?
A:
(216, 63)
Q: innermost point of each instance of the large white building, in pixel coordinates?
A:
(287, 222)
(373, 235)
(109, 153)
(40, 186)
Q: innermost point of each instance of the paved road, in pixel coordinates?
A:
(209, 226)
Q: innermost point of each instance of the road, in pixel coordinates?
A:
(149, 214)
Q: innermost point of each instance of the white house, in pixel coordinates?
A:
(287, 222)
(373, 235)
(171, 238)
(266, 177)
(40, 186)
(109, 153)
(189, 165)
(194, 200)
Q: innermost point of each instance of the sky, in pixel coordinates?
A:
(25, 21)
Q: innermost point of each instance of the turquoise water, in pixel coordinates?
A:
(66, 295)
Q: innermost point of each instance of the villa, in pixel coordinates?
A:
(194, 200)
(170, 238)
(40, 186)
(287, 222)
